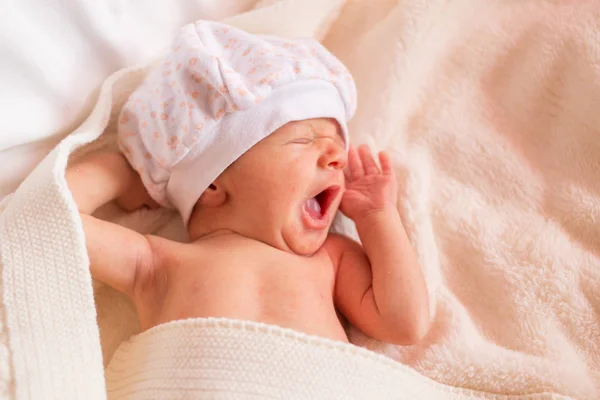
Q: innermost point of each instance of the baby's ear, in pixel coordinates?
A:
(213, 196)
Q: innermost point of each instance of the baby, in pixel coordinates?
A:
(246, 137)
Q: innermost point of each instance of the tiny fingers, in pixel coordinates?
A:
(368, 162)
(354, 164)
(386, 163)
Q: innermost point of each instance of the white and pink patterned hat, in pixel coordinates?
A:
(217, 93)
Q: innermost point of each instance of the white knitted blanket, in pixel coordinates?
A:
(490, 107)
(226, 359)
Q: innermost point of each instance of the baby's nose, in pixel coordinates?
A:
(334, 157)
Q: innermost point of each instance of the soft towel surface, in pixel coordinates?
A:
(490, 108)
(493, 108)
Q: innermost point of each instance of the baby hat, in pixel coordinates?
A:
(217, 93)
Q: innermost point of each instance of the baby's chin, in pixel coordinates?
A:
(306, 250)
(305, 244)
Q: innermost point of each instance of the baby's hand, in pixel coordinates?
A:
(369, 189)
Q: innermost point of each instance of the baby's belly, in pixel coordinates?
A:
(301, 306)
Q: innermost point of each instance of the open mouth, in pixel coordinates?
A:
(317, 207)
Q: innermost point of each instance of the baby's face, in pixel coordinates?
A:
(289, 186)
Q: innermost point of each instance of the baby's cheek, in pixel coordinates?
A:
(291, 187)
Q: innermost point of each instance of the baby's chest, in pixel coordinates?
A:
(291, 283)
(296, 294)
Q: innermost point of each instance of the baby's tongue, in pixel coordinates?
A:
(313, 208)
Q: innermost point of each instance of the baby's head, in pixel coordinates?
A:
(284, 191)
(243, 133)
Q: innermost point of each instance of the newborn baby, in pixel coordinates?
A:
(246, 137)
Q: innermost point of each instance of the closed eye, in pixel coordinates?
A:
(302, 141)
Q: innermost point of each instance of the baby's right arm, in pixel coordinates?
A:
(116, 253)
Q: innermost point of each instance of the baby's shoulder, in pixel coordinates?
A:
(169, 253)
(167, 257)
(161, 246)
(337, 244)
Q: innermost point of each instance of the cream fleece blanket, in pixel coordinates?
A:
(491, 111)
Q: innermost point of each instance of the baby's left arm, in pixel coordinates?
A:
(380, 287)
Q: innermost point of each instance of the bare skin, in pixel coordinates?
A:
(257, 249)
